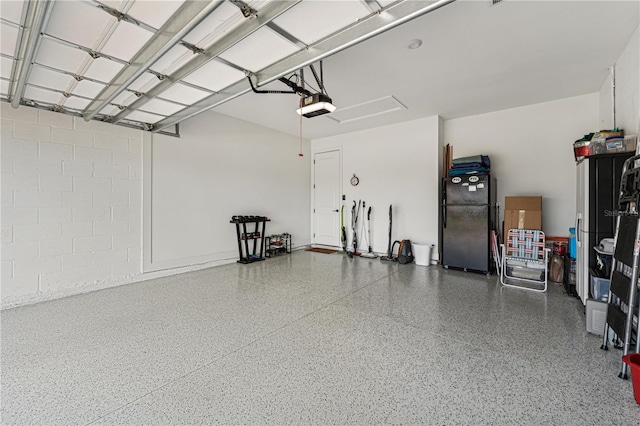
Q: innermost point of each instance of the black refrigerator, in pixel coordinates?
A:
(468, 217)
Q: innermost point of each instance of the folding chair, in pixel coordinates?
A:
(524, 259)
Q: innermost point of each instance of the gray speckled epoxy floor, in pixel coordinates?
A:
(310, 338)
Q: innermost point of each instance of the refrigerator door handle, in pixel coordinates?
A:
(444, 215)
(578, 218)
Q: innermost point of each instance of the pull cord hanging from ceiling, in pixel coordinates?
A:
(300, 153)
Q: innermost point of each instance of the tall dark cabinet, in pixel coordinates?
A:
(598, 185)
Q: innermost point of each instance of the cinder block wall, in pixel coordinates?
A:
(71, 203)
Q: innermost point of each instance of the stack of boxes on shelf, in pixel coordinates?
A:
(603, 142)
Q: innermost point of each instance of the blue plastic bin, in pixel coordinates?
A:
(573, 248)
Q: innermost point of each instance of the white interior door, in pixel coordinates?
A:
(326, 198)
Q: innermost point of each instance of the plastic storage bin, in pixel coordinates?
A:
(422, 254)
(600, 288)
(596, 316)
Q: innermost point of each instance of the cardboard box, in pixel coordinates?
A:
(522, 213)
(523, 203)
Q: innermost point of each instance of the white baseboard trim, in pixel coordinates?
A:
(30, 299)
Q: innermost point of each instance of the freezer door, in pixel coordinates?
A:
(465, 237)
(467, 190)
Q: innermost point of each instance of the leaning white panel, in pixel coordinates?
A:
(158, 106)
(41, 95)
(12, 10)
(144, 117)
(223, 19)
(311, 21)
(79, 22)
(260, 49)
(88, 89)
(126, 41)
(154, 13)
(47, 78)
(184, 94)
(9, 39)
(214, 76)
(103, 69)
(59, 56)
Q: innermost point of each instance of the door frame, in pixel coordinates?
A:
(312, 192)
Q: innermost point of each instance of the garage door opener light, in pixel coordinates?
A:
(314, 105)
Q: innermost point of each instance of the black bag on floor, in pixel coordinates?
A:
(405, 252)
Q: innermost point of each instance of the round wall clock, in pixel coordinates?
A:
(354, 180)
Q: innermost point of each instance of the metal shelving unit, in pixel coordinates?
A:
(278, 244)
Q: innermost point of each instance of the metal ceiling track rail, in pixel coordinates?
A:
(377, 23)
(185, 19)
(35, 20)
(229, 40)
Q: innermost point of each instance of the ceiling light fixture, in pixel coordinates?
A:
(414, 44)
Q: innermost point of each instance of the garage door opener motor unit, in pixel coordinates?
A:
(314, 105)
(311, 104)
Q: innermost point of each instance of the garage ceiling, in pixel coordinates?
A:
(152, 64)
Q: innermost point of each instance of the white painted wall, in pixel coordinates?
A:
(72, 199)
(397, 164)
(220, 167)
(627, 90)
(71, 204)
(531, 152)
